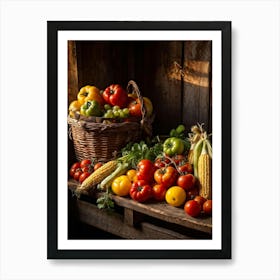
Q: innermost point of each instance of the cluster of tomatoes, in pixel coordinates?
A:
(79, 171)
(166, 179)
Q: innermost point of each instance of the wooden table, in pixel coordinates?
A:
(134, 220)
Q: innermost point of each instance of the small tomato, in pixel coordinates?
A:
(77, 174)
(74, 168)
(192, 208)
(132, 175)
(85, 162)
(200, 201)
(83, 176)
(134, 108)
(159, 192)
(97, 165)
(187, 182)
(207, 207)
(186, 168)
(191, 194)
(178, 159)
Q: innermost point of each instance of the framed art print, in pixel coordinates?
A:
(139, 140)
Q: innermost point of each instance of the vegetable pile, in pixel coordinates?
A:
(175, 170)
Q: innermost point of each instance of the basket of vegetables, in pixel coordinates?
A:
(103, 122)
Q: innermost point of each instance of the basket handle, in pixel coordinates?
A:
(146, 122)
(136, 90)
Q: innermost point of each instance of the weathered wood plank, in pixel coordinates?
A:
(162, 233)
(113, 223)
(102, 63)
(166, 213)
(197, 83)
(73, 88)
(153, 61)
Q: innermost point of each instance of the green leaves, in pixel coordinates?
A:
(105, 201)
(134, 152)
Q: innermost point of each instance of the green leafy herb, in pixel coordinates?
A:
(134, 152)
(105, 201)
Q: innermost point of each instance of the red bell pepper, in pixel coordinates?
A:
(115, 95)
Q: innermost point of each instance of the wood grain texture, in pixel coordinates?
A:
(197, 93)
(153, 61)
(113, 223)
(165, 212)
(73, 87)
(104, 63)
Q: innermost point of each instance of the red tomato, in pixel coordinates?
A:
(187, 182)
(146, 170)
(178, 159)
(191, 194)
(85, 162)
(186, 168)
(77, 174)
(159, 192)
(159, 163)
(86, 165)
(207, 207)
(166, 176)
(73, 168)
(192, 208)
(135, 108)
(83, 176)
(140, 191)
(200, 200)
(97, 165)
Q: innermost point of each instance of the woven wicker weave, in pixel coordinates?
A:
(99, 139)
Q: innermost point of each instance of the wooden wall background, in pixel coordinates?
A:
(175, 75)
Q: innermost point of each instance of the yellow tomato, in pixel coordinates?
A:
(90, 93)
(175, 196)
(74, 107)
(132, 175)
(121, 185)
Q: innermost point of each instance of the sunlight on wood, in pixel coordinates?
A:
(193, 72)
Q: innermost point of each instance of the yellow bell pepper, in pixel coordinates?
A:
(87, 93)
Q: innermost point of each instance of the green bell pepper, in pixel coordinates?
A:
(91, 108)
(173, 146)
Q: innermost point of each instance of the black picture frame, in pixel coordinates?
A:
(53, 27)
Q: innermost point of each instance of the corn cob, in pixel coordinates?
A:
(194, 137)
(97, 176)
(209, 148)
(196, 153)
(204, 173)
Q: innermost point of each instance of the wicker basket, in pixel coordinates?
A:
(98, 138)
